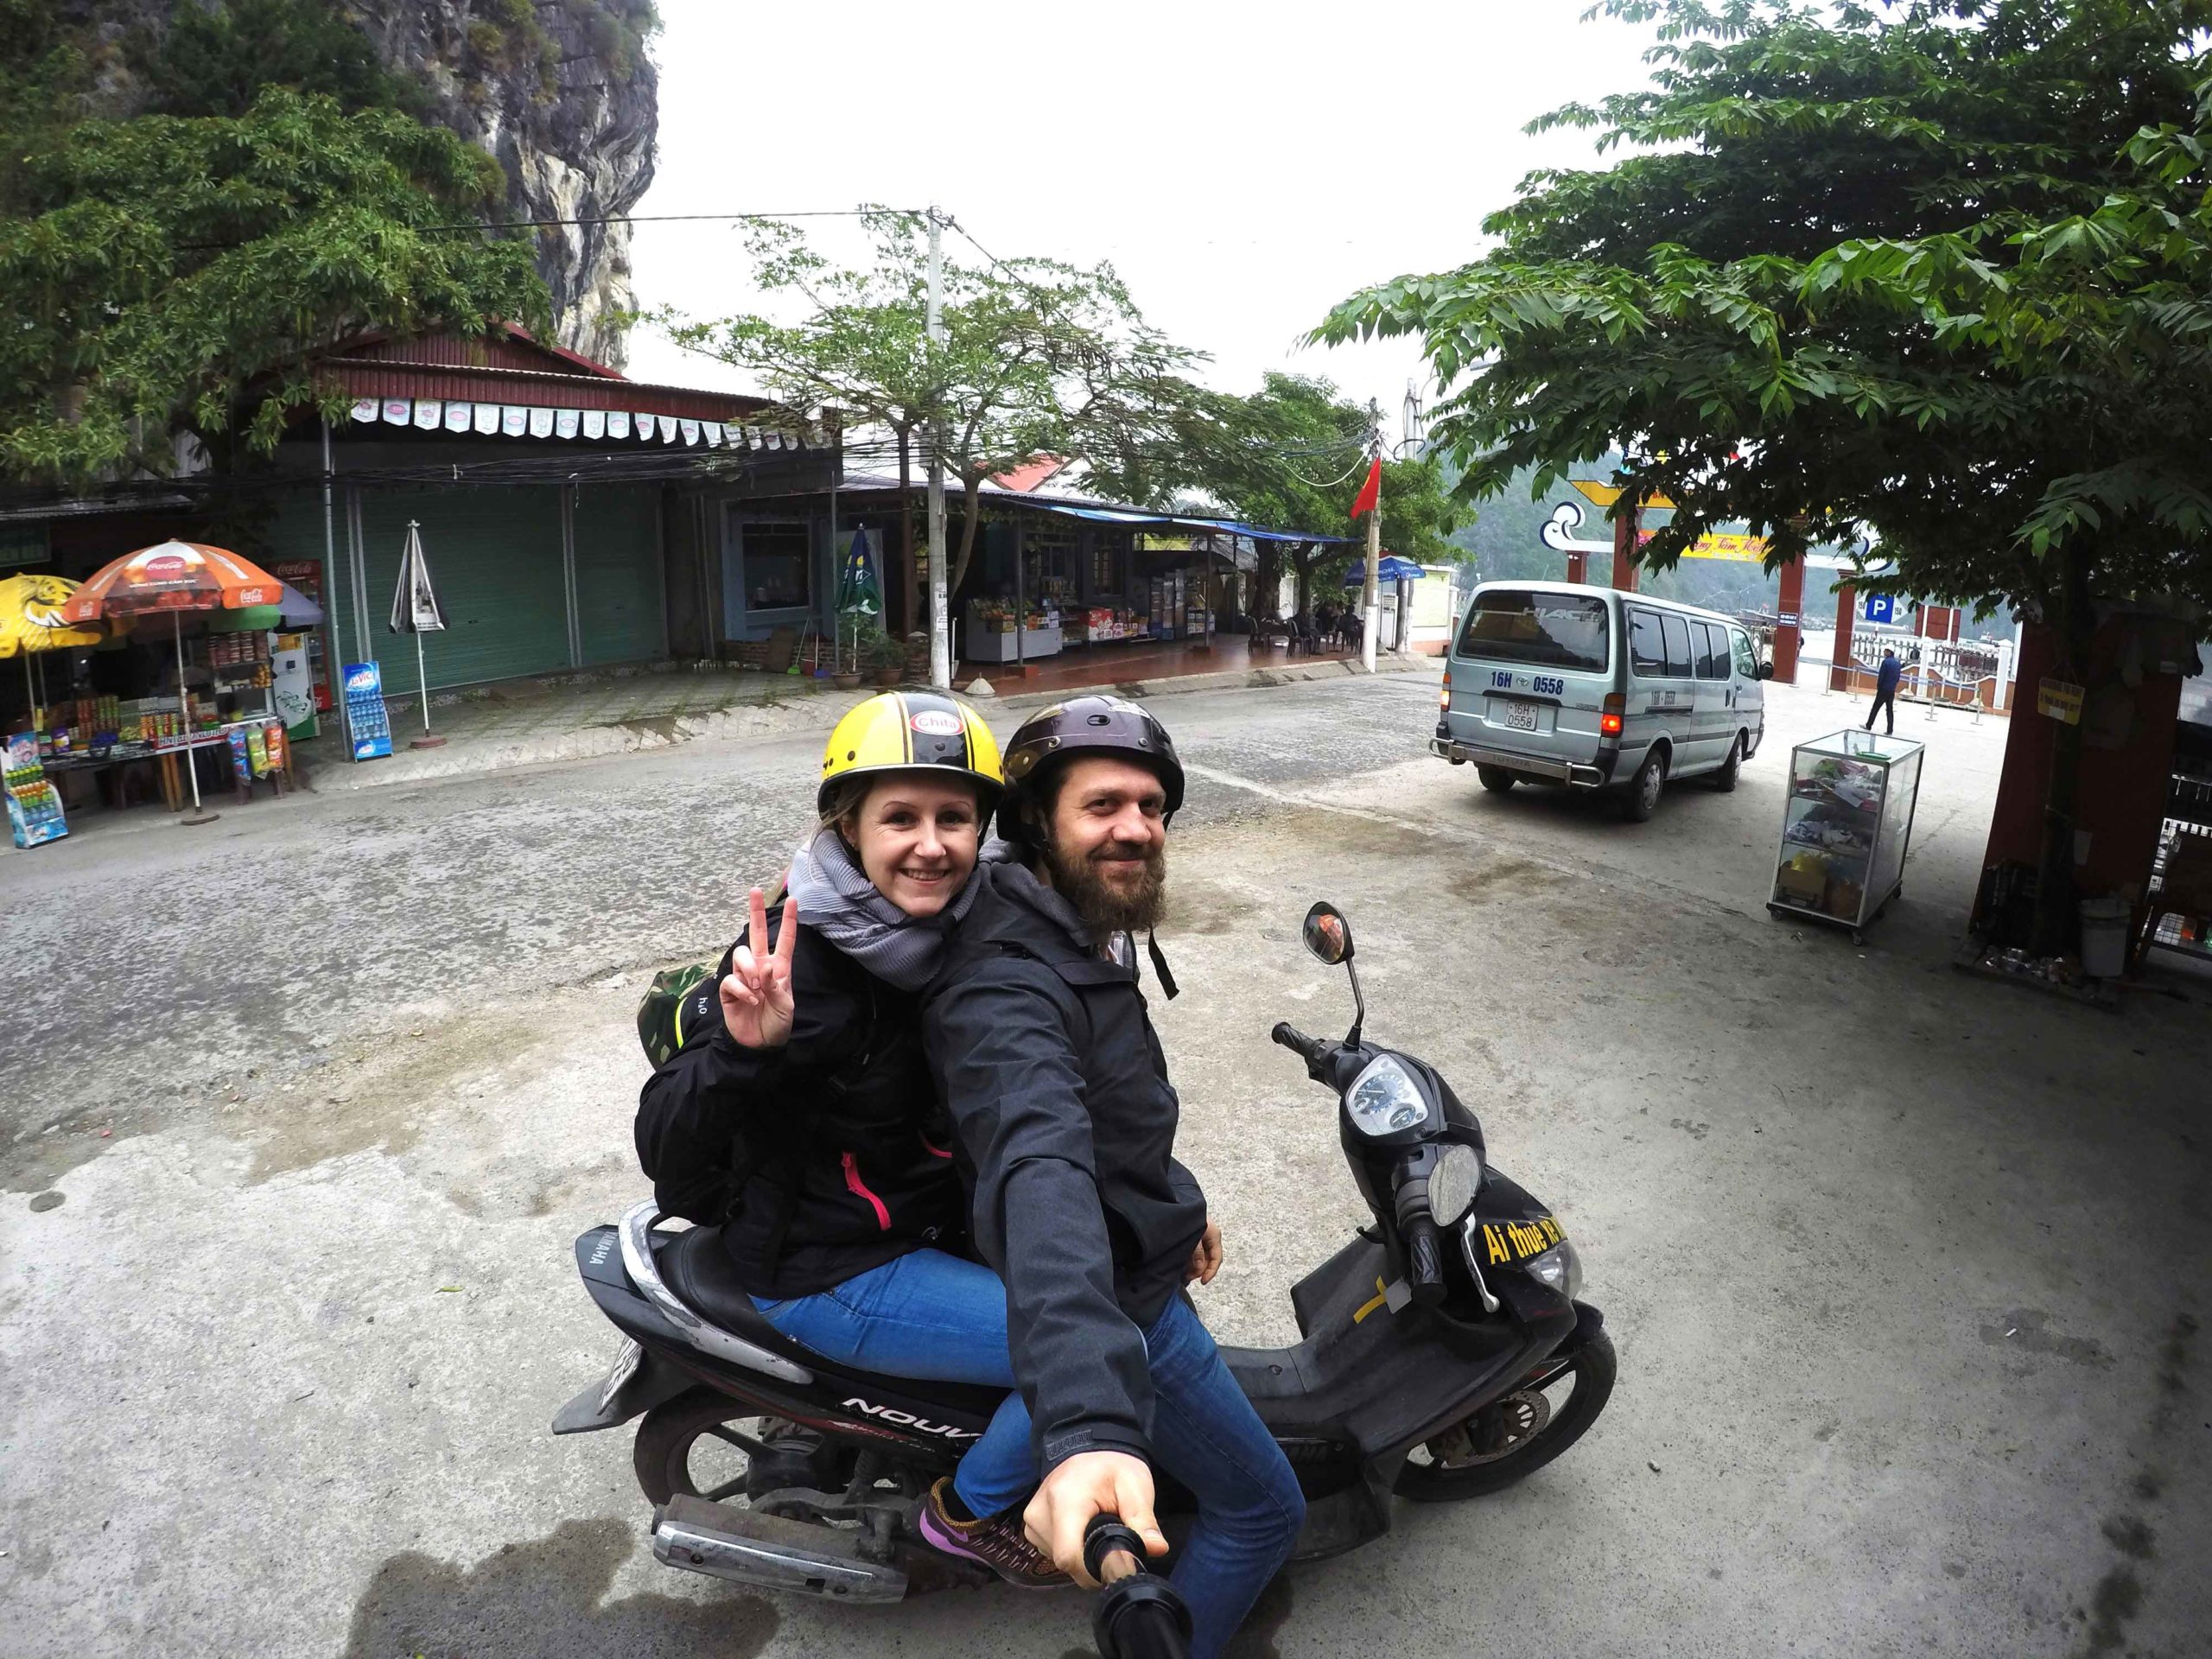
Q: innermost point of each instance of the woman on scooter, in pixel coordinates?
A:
(800, 1113)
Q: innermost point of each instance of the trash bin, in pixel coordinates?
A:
(2104, 936)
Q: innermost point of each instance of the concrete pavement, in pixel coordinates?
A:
(1906, 1269)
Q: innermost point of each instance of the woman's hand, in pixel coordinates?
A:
(1205, 1257)
(756, 993)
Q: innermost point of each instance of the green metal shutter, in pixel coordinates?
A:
(495, 561)
(620, 609)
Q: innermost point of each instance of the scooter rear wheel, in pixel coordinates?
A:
(697, 1443)
(1528, 1429)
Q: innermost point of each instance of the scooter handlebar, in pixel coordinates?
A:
(1308, 1049)
(1139, 1616)
(1424, 1262)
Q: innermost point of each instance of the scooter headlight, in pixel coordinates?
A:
(1384, 1099)
(1560, 1268)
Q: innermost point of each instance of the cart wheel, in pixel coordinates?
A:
(1857, 937)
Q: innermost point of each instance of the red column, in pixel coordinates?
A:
(1786, 633)
(1625, 529)
(1847, 612)
(1578, 566)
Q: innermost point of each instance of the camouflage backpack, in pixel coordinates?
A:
(661, 1015)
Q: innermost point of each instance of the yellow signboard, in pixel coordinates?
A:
(1605, 495)
(1728, 545)
(2059, 700)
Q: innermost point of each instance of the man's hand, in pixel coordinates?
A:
(756, 993)
(1091, 1483)
(1205, 1257)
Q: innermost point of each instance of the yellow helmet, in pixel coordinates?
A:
(913, 731)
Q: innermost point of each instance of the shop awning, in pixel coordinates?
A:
(1178, 521)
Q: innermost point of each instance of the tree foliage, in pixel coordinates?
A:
(172, 273)
(1040, 358)
(1292, 456)
(214, 59)
(1885, 276)
(1933, 272)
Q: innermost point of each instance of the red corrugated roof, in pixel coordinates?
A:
(1029, 475)
(507, 365)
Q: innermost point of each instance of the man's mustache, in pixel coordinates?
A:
(1105, 857)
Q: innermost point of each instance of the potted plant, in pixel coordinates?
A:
(878, 654)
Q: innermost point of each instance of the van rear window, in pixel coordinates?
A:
(1507, 625)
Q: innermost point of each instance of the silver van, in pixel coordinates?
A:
(1554, 681)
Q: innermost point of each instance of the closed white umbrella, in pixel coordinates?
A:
(415, 610)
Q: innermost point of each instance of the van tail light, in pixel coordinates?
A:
(1609, 722)
(1444, 697)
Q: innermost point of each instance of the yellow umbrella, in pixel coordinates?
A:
(30, 620)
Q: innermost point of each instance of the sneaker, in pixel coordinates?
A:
(996, 1542)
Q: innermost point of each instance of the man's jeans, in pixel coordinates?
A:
(932, 1316)
(1885, 704)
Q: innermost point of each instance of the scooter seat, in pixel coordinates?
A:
(695, 1265)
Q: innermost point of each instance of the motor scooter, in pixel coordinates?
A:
(1444, 1353)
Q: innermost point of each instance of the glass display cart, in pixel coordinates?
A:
(1845, 828)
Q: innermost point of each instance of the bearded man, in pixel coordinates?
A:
(1039, 1037)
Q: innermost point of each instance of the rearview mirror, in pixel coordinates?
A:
(1328, 935)
(1766, 671)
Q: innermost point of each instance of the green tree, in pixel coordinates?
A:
(215, 60)
(170, 274)
(1038, 358)
(1865, 279)
(1291, 456)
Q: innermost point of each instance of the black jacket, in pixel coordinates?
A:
(1059, 1092)
(823, 1158)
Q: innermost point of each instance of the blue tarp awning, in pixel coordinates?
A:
(1392, 568)
(1176, 521)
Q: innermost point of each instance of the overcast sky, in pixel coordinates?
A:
(1244, 166)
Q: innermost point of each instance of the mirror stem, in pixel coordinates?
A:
(1359, 1005)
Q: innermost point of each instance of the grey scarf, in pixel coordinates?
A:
(837, 900)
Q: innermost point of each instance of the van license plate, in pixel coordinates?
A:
(1521, 716)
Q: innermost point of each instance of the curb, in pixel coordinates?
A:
(772, 720)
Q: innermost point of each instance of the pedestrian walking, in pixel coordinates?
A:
(1885, 693)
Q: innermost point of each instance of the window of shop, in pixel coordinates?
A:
(1106, 568)
(778, 563)
(1049, 567)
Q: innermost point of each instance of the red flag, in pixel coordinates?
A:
(1370, 493)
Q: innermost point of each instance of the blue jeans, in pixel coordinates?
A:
(929, 1315)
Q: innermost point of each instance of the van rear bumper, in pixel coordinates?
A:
(1529, 766)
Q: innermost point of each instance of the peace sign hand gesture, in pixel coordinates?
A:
(756, 993)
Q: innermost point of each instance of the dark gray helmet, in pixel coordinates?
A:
(1093, 724)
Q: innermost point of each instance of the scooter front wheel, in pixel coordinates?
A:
(1513, 1436)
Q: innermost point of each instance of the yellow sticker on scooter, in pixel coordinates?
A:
(1511, 1241)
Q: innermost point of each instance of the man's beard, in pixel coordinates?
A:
(1110, 909)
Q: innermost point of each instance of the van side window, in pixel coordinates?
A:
(1647, 652)
(1713, 650)
(1678, 647)
(1747, 660)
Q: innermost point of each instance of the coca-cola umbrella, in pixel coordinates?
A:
(176, 577)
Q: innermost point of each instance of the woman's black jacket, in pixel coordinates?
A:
(823, 1158)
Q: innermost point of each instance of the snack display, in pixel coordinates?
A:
(1846, 827)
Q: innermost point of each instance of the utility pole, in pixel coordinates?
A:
(940, 600)
(1371, 602)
